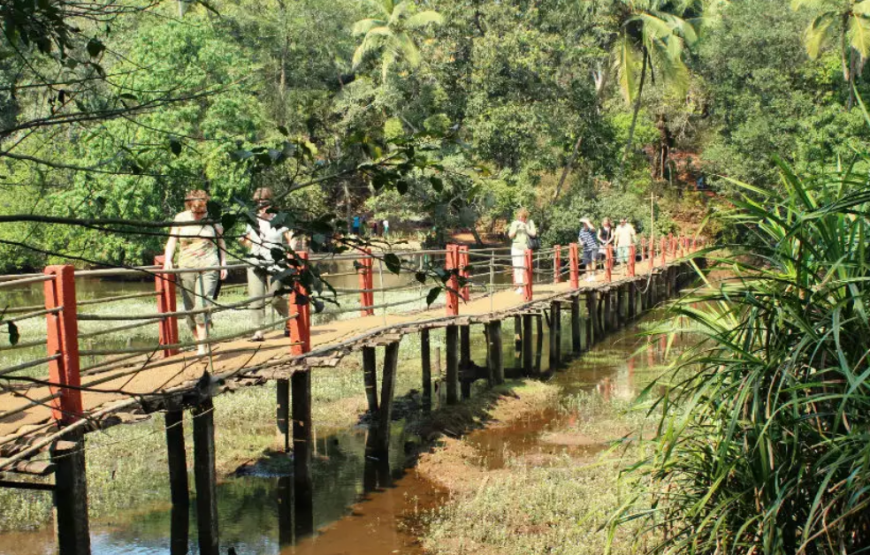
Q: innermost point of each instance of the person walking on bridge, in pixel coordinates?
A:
(625, 238)
(589, 240)
(202, 249)
(261, 240)
(520, 231)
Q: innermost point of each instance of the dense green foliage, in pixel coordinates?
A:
(570, 108)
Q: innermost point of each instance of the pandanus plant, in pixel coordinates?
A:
(765, 443)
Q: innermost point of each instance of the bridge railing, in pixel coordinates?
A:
(467, 275)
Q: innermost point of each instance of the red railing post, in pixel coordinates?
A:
(557, 264)
(366, 283)
(652, 252)
(608, 264)
(452, 266)
(574, 261)
(164, 284)
(664, 248)
(529, 275)
(300, 313)
(63, 339)
(632, 254)
(465, 291)
(643, 254)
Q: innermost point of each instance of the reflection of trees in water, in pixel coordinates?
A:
(257, 510)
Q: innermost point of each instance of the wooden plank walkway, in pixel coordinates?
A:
(330, 342)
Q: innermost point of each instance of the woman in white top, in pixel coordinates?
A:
(519, 232)
(261, 241)
(201, 247)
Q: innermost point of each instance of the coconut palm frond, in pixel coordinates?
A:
(817, 32)
(859, 35)
(363, 26)
(627, 61)
(428, 17)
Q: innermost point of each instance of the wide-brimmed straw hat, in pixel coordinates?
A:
(585, 221)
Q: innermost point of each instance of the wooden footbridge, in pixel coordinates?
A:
(44, 420)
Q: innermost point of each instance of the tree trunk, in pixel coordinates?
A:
(567, 168)
(633, 118)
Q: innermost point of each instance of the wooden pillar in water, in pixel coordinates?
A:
(370, 378)
(620, 306)
(558, 333)
(527, 345)
(539, 343)
(388, 389)
(592, 309)
(300, 382)
(576, 345)
(452, 374)
(178, 486)
(465, 359)
(494, 352)
(555, 309)
(282, 413)
(608, 312)
(205, 477)
(71, 495)
(632, 300)
(518, 340)
(425, 361)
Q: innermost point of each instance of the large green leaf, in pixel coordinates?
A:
(859, 35)
(627, 61)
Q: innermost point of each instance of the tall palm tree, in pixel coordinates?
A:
(845, 21)
(652, 38)
(389, 33)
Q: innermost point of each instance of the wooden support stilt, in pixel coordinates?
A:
(558, 316)
(620, 306)
(300, 383)
(388, 389)
(370, 378)
(589, 333)
(607, 320)
(465, 359)
(205, 477)
(553, 358)
(527, 345)
(282, 393)
(592, 312)
(518, 340)
(452, 376)
(285, 511)
(71, 495)
(496, 362)
(632, 300)
(539, 343)
(576, 345)
(427, 369)
(179, 530)
(178, 487)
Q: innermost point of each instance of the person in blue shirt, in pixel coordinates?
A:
(356, 223)
(589, 240)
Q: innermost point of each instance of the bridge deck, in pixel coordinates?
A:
(332, 339)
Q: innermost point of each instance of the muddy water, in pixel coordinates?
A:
(361, 505)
